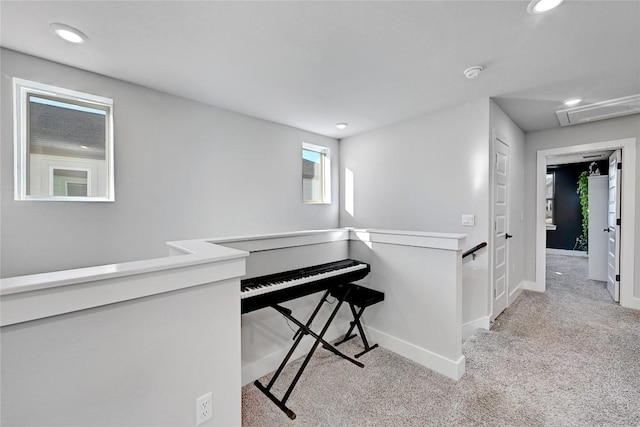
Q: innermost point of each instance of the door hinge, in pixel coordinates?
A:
(619, 221)
(617, 277)
(495, 292)
(619, 165)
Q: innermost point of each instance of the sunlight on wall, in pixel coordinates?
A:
(365, 238)
(478, 166)
(348, 192)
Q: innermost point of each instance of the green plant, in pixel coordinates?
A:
(583, 192)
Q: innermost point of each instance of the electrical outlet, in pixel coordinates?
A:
(204, 408)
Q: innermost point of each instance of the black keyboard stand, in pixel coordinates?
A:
(356, 295)
(304, 329)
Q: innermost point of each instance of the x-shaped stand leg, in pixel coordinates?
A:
(319, 338)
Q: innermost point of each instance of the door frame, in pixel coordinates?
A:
(495, 135)
(628, 215)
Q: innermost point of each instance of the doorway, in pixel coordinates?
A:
(627, 210)
(576, 217)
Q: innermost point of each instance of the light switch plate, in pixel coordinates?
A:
(468, 220)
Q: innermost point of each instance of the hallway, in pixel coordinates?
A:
(566, 357)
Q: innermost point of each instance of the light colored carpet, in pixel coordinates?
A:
(567, 357)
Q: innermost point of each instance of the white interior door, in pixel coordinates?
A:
(598, 227)
(613, 222)
(500, 226)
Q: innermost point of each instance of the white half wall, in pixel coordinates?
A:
(419, 272)
(421, 277)
(139, 362)
(131, 344)
(183, 170)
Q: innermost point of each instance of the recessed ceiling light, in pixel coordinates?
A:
(342, 126)
(473, 72)
(541, 6)
(84, 147)
(572, 101)
(68, 33)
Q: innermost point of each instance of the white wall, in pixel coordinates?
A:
(182, 170)
(421, 315)
(142, 362)
(600, 131)
(502, 125)
(423, 174)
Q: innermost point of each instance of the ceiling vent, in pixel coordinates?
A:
(600, 110)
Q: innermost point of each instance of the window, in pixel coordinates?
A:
(70, 182)
(63, 144)
(316, 174)
(550, 194)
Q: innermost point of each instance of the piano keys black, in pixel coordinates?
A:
(265, 291)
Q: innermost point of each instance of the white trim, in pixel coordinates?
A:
(37, 296)
(515, 293)
(531, 286)
(27, 306)
(50, 90)
(446, 241)
(453, 369)
(627, 253)
(280, 240)
(325, 152)
(470, 327)
(21, 89)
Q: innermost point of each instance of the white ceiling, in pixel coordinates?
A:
(311, 64)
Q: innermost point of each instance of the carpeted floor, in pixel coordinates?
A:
(567, 357)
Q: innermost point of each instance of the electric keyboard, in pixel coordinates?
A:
(265, 291)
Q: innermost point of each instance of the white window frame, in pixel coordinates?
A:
(21, 90)
(325, 170)
(53, 169)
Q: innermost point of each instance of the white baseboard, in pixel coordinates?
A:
(469, 328)
(449, 368)
(515, 293)
(533, 286)
(453, 369)
(632, 303)
(568, 252)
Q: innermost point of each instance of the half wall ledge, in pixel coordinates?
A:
(191, 263)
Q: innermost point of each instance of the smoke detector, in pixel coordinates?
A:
(473, 72)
